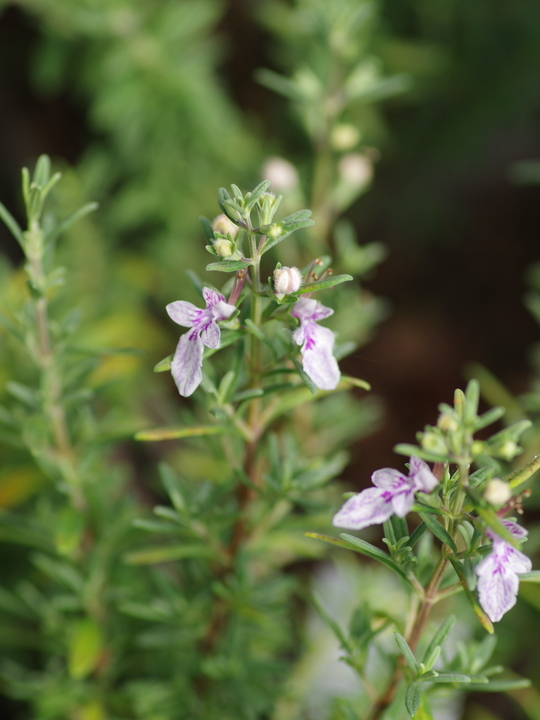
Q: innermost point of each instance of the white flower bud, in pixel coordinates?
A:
(224, 248)
(282, 175)
(286, 281)
(497, 492)
(224, 226)
(344, 136)
(356, 169)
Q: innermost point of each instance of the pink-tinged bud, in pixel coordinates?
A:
(224, 226)
(286, 281)
(497, 492)
(282, 175)
(356, 169)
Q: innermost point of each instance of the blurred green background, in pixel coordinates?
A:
(148, 107)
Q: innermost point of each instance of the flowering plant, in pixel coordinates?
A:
(477, 553)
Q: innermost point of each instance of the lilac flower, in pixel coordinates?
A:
(393, 494)
(187, 361)
(498, 578)
(317, 342)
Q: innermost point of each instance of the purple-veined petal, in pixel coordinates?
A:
(186, 364)
(390, 479)
(308, 309)
(184, 313)
(211, 335)
(318, 362)
(517, 560)
(517, 531)
(370, 507)
(222, 311)
(497, 586)
(424, 480)
(211, 297)
(402, 501)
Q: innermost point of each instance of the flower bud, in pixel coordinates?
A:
(509, 450)
(447, 423)
(223, 247)
(275, 231)
(432, 442)
(286, 281)
(224, 226)
(281, 174)
(344, 136)
(497, 492)
(356, 169)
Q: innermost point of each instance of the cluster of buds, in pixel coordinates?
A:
(225, 232)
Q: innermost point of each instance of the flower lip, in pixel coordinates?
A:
(317, 342)
(187, 361)
(393, 494)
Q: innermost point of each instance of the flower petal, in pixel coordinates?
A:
(518, 561)
(497, 586)
(318, 362)
(370, 507)
(403, 501)
(390, 479)
(184, 313)
(222, 311)
(424, 480)
(186, 364)
(211, 335)
(211, 297)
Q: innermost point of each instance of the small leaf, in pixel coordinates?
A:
(323, 284)
(438, 530)
(439, 637)
(174, 433)
(449, 678)
(258, 333)
(417, 534)
(164, 365)
(229, 265)
(500, 686)
(413, 698)
(73, 218)
(85, 648)
(478, 611)
(414, 450)
(169, 553)
(532, 577)
(207, 229)
(332, 624)
(407, 653)
(12, 225)
(522, 474)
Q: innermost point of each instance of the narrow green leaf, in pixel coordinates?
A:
(483, 653)
(493, 521)
(448, 678)
(313, 389)
(407, 653)
(438, 530)
(229, 265)
(414, 450)
(12, 225)
(164, 365)
(522, 474)
(417, 534)
(70, 220)
(332, 624)
(207, 229)
(323, 284)
(172, 486)
(373, 552)
(248, 394)
(169, 553)
(173, 433)
(439, 637)
(480, 614)
(85, 648)
(258, 333)
(413, 698)
(532, 577)
(500, 686)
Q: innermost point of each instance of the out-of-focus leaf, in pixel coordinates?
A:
(154, 555)
(85, 648)
(174, 433)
